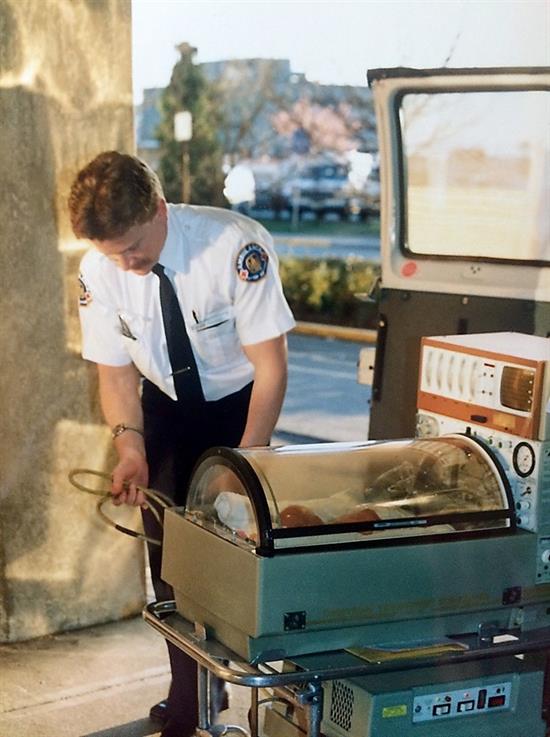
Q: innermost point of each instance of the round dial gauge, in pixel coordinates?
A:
(523, 459)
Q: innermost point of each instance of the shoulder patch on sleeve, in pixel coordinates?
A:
(252, 262)
(85, 296)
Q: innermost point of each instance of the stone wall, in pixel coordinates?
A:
(65, 95)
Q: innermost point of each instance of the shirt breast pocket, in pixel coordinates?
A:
(215, 338)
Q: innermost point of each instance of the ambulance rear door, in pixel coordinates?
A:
(465, 217)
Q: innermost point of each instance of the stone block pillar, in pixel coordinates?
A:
(65, 95)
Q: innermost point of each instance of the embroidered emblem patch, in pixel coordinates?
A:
(124, 329)
(252, 262)
(85, 296)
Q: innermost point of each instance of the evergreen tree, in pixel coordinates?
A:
(189, 90)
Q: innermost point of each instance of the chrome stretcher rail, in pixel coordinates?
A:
(213, 657)
(312, 670)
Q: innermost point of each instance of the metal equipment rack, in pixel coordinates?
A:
(303, 686)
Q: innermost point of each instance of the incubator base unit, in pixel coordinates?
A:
(306, 549)
(500, 698)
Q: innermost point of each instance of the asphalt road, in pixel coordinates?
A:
(323, 400)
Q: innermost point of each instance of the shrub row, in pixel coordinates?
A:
(324, 290)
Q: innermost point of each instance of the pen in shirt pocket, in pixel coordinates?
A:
(195, 318)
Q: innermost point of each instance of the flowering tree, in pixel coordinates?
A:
(328, 128)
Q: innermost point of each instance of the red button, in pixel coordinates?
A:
(409, 268)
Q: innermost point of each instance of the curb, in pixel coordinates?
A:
(339, 332)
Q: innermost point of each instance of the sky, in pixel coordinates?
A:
(337, 42)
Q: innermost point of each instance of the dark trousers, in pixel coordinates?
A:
(176, 435)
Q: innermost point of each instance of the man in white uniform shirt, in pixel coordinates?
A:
(223, 269)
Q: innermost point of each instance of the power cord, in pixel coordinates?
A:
(156, 496)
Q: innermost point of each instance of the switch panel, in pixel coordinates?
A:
(464, 702)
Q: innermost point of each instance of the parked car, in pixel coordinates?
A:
(319, 189)
(325, 188)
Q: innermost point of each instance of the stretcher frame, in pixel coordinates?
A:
(303, 687)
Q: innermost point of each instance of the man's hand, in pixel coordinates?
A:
(130, 472)
(120, 402)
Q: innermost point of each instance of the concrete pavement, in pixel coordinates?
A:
(323, 399)
(96, 682)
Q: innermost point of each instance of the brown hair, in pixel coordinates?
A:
(111, 194)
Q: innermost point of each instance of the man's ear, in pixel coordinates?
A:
(161, 207)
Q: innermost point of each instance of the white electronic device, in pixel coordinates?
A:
(496, 387)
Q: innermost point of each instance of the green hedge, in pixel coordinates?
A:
(323, 290)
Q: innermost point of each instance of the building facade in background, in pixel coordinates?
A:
(298, 140)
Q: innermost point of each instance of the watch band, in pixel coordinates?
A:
(121, 427)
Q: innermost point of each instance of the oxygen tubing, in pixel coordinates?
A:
(156, 496)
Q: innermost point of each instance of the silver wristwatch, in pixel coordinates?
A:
(121, 427)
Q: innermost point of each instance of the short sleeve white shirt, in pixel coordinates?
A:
(121, 316)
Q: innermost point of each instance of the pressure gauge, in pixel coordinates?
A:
(523, 459)
(426, 426)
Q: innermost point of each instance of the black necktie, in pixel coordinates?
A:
(184, 368)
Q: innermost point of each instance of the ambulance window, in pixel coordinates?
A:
(477, 174)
